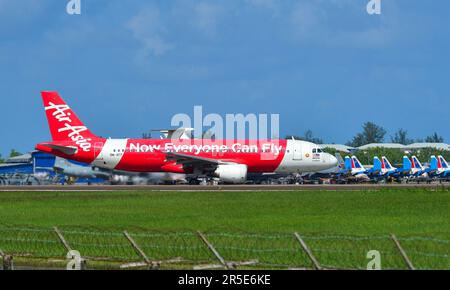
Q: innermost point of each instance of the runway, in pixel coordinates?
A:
(328, 187)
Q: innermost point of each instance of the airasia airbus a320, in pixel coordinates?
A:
(229, 160)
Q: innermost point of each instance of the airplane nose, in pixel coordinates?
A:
(332, 161)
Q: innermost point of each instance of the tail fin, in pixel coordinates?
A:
(339, 159)
(386, 163)
(443, 161)
(435, 163)
(407, 164)
(347, 163)
(416, 163)
(356, 164)
(377, 164)
(63, 123)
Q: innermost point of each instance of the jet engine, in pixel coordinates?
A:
(231, 173)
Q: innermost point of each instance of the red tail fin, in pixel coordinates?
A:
(63, 123)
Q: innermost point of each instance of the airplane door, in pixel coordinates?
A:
(297, 147)
(98, 150)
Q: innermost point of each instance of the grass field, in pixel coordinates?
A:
(241, 224)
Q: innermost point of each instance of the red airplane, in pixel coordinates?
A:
(229, 160)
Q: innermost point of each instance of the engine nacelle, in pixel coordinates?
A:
(232, 173)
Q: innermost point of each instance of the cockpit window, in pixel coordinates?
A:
(317, 150)
(314, 150)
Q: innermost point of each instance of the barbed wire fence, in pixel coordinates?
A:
(137, 248)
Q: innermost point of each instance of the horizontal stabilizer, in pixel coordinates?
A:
(69, 150)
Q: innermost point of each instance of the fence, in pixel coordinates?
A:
(210, 250)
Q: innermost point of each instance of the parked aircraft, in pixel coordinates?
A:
(387, 170)
(357, 170)
(63, 166)
(416, 167)
(70, 169)
(439, 167)
(229, 160)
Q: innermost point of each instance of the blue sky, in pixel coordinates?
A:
(128, 66)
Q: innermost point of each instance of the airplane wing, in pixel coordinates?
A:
(69, 150)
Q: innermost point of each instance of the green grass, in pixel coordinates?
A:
(409, 211)
(242, 225)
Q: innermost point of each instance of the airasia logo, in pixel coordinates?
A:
(73, 132)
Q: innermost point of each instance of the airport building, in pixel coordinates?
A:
(339, 147)
(383, 145)
(35, 168)
(30, 163)
(437, 146)
(410, 147)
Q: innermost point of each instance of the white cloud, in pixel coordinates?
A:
(323, 22)
(207, 17)
(272, 5)
(306, 20)
(148, 29)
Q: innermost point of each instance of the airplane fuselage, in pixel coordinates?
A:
(149, 155)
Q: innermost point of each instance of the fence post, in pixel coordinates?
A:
(62, 239)
(139, 251)
(402, 252)
(308, 251)
(213, 250)
(82, 262)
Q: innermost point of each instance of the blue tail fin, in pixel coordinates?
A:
(376, 163)
(433, 163)
(407, 164)
(347, 163)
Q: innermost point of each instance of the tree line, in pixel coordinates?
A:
(13, 153)
(373, 133)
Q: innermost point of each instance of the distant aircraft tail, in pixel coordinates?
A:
(377, 164)
(435, 163)
(416, 163)
(353, 165)
(407, 164)
(341, 162)
(347, 163)
(443, 162)
(356, 165)
(386, 163)
(63, 122)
